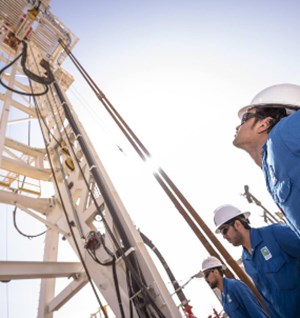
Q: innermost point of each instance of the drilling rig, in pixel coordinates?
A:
(81, 197)
(115, 261)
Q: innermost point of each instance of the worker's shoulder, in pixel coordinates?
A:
(234, 283)
(272, 228)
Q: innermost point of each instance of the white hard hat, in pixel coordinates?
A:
(281, 95)
(226, 212)
(211, 262)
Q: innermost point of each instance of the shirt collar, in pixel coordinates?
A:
(255, 239)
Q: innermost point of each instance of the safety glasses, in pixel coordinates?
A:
(248, 116)
(224, 229)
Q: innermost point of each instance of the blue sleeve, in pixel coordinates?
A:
(288, 241)
(247, 299)
(290, 132)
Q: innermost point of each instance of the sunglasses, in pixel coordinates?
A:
(225, 228)
(248, 116)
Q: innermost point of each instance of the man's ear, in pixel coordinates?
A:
(264, 124)
(238, 225)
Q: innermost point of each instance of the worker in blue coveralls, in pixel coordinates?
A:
(271, 257)
(238, 300)
(270, 133)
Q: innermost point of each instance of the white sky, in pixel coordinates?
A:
(177, 71)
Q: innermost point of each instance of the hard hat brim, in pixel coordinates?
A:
(246, 214)
(289, 108)
(201, 273)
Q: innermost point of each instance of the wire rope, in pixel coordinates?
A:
(94, 115)
(15, 209)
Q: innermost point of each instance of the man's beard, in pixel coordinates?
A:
(213, 284)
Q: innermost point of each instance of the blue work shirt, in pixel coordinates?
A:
(239, 301)
(274, 266)
(281, 167)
